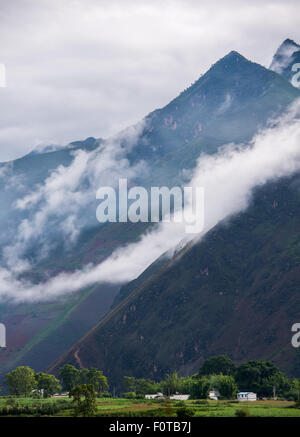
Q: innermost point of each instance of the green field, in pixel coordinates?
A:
(120, 407)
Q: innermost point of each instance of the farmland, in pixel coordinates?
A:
(121, 407)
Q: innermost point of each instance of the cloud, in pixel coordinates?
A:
(90, 68)
(228, 179)
(63, 199)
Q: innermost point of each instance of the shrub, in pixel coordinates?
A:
(185, 412)
(104, 394)
(297, 403)
(130, 395)
(180, 404)
(243, 412)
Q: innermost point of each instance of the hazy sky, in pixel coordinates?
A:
(79, 68)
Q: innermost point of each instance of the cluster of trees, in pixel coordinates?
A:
(221, 373)
(196, 387)
(72, 377)
(23, 381)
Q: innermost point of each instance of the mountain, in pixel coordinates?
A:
(285, 57)
(229, 103)
(234, 292)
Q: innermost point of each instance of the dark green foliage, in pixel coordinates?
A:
(216, 365)
(129, 395)
(184, 412)
(48, 383)
(225, 384)
(40, 409)
(260, 377)
(70, 376)
(140, 386)
(84, 400)
(21, 381)
(243, 412)
(297, 403)
(171, 384)
(200, 388)
(95, 378)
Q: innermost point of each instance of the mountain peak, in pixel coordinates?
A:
(232, 62)
(232, 56)
(234, 53)
(289, 41)
(287, 54)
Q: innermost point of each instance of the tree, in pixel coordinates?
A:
(140, 386)
(21, 381)
(83, 376)
(200, 388)
(259, 376)
(217, 365)
(185, 384)
(296, 387)
(84, 400)
(225, 384)
(70, 376)
(129, 383)
(97, 380)
(185, 412)
(48, 383)
(277, 384)
(171, 384)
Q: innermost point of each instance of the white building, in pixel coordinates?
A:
(179, 397)
(214, 394)
(176, 397)
(246, 396)
(155, 396)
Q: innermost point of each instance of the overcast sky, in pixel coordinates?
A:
(79, 68)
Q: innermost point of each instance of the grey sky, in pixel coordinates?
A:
(79, 68)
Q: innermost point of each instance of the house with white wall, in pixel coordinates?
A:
(246, 396)
(179, 397)
(214, 394)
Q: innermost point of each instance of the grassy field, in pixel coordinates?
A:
(119, 407)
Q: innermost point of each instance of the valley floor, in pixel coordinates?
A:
(120, 407)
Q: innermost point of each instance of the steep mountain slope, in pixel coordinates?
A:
(235, 292)
(229, 103)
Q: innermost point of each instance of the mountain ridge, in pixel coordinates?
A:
(169, 148)
(208, 301)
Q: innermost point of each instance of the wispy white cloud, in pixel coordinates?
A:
(63, 198)
(228, 178)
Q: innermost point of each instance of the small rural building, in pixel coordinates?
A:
(214, 394)
(176, 397)
(179, 397)
(155, 396)
(246, 396)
